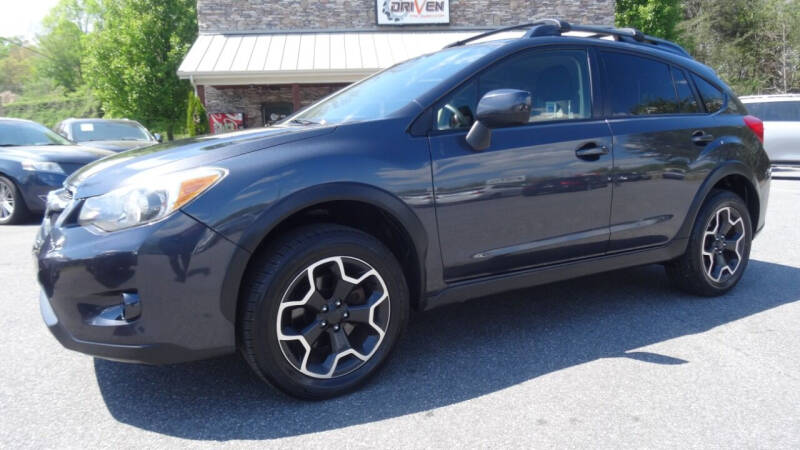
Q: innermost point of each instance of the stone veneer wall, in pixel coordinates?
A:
(248, 99)
(277, 15)
(273, 15)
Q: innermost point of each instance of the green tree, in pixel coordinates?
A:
(85, 14)
(61, 56)
(654, 17)
(196, 119)
(132, 59)
(16, 64)
(754, 45)
(61, 45)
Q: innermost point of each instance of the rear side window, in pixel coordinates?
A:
(639, 86)
(713, 99)
(776, 111)
(687, 103)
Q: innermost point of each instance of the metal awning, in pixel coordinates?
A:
(331, 57)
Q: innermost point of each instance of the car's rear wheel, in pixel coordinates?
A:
(321, 310)
(12, 206)
(718, 249)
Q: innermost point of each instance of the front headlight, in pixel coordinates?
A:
(146, 199)
(41, 166)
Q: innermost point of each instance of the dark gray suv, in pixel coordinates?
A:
(484, 167)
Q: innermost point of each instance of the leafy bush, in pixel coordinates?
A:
(196, 119)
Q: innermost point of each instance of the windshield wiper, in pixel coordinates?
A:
(303, 122)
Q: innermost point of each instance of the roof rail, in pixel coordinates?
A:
(491, 32)
(555, 27)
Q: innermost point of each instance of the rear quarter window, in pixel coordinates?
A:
(713, 98)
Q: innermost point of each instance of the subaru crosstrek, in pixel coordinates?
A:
(488, 166)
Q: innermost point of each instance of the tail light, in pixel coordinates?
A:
(756, 125)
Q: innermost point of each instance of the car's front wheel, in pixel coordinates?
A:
(718, 249)
(12, 206)
(321, 310)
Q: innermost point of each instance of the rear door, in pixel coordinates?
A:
(662, 139)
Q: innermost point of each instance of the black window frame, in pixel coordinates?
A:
(595, 98)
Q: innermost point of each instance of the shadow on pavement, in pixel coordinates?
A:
(447, 356)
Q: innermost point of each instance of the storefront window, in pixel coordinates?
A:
(275, 111)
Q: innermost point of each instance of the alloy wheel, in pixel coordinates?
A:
(6, 201)
(722, 244)
(333, 317)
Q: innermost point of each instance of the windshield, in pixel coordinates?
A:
(13, 134)
(108, 131)
(389, 91)
(775, 111)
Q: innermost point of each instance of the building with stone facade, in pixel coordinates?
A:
(268, 58)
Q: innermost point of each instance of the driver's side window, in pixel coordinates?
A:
(557, 80)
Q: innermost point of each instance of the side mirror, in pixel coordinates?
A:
(158, 137)
(497, 109)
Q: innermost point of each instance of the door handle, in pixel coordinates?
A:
(591, 152)
(700, 137)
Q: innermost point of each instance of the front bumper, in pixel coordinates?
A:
(144, 354)
(175, 269)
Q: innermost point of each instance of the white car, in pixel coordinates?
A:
(781, 116)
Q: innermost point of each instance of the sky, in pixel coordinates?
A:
(22, 18)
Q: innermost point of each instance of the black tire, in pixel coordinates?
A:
(19, 211)
(695, 271)
(279, 272)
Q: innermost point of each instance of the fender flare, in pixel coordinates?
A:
(275, 214)
(723, 170)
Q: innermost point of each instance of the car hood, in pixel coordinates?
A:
(108, 173)
(63, 154)
(118, 146)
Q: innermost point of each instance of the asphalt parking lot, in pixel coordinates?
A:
(612, 360)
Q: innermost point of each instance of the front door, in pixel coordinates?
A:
(531, 198)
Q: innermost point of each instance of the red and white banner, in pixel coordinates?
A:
(225, 122)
